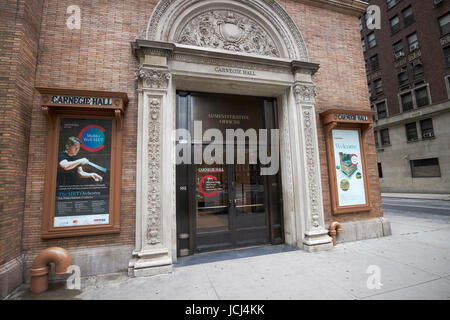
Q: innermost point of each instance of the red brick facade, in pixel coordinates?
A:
(99, 57)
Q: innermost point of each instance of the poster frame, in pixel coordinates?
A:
(332, 120)
(54, 114)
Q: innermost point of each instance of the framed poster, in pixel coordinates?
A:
(83, 177)
(349, 168)
(83, 167)
(345, 136)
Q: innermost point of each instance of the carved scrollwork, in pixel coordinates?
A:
(311, 165)
(228, 30)
(154, 164)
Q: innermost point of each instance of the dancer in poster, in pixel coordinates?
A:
(70, 168)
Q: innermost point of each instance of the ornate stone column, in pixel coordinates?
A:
(315, 235)
(153, 253)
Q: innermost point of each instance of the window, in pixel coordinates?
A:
(374, 64)
(360, 24)
(395, 24)
(398, 50)
(407, 101)
(425, 168)
(447, 56)
(417, 69)
(375, 134)
(363, 44)
(408, 16)
(370, 90)
(384, 133)
(380, 170)
(390, 3)
(381, 110)
(411, 132)
(444, 24)
(368, 18)
(413, 42)
(422, 97)
(371, 40)
(403, 76)
(378, 86)
(426, 126)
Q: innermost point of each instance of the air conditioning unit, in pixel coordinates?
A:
(414, 47)
(398, 55)
(428, 135)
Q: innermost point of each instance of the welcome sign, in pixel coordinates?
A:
(349, 168)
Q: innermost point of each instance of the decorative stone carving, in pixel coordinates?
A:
(228, 30)
(305, 93)
(154, 156)
(155, 79)
(311, 164)
(167, 13)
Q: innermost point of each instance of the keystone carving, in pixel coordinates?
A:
(230, 31)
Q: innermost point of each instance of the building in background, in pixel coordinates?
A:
(408, 74)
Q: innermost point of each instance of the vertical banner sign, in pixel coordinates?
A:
(349, 169)
(83, 174)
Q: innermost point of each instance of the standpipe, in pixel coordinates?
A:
(335, 226)
(41, 267)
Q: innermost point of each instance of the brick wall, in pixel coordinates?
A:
(98, 57)
(19, 32)
(333, 40)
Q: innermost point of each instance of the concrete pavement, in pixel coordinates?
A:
(413, 263)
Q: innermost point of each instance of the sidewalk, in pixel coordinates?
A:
(414, 263)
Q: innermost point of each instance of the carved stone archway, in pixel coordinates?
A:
(208, 45)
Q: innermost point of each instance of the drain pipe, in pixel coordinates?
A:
(335, 226)
(41, 267)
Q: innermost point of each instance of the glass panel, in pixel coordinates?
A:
(249, 188)
(211, 198)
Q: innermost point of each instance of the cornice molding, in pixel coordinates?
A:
(354, 7)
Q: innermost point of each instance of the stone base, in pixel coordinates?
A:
(364, 229)
(317, 240)
(149, 263)
(318, 247)
(11, 276)
(148, 272)
(92, 261)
